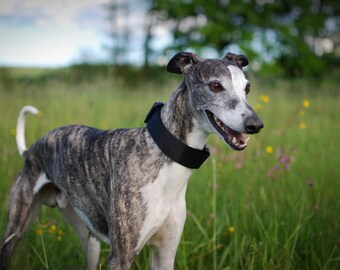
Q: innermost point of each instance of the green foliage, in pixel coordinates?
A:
(287, 32)
(127, 75)
(262, 208)
(6, 79)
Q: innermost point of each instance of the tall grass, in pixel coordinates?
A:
(273, 206)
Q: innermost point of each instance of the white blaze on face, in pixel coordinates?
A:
(239, 81)
(234, 118)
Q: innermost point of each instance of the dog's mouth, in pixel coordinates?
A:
(234, 139)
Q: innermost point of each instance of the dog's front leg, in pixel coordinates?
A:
(165, 242)
(122, 252)
(120, 261)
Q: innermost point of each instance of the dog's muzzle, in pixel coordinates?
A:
(235, 139)
(253, 124)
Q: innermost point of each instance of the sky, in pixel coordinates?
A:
(52, 33)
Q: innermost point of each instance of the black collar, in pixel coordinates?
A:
(169, 144)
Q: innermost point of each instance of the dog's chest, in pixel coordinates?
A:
(161, 198)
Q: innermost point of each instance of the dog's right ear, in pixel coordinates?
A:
(239, 59)
(182, 62)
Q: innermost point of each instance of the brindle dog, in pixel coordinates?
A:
(117, 185)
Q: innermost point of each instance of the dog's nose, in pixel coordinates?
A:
(253, 125)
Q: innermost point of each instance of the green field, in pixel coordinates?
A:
(273, 206)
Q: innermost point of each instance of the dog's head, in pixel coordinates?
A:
(218, 91)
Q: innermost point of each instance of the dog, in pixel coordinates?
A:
(127, 187)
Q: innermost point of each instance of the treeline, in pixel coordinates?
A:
(126, 75)
(289, 37)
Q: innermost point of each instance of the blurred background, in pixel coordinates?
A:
(101, 63)
(284, 37)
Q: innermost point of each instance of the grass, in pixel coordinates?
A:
(273, 206)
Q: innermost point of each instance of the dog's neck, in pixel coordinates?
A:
(177, 116)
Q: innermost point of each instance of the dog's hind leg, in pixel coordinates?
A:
(23, 207)
(90, 244)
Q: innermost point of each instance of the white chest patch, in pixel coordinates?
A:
(159, 197)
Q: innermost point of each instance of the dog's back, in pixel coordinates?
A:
(88, 163)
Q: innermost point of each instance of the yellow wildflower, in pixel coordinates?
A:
(52, 229)
(306, 103)
(258, 107)
(38, 231)
(264, 98)
(231, 229)
(13, 132)
(302, 126)
(269, 149)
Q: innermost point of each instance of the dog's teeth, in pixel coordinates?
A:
(234, 141)
(220, 124)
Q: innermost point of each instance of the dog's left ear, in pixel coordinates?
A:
(182, 62)
(239, 59)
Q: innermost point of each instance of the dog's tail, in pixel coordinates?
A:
(20, 131)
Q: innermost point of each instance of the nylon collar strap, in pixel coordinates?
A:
(172, 147)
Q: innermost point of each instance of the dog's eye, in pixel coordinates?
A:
(215, 87)
(247, 89)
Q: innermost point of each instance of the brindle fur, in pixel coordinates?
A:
(99, 174)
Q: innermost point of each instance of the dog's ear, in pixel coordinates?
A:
(182, 62)
(239, 59)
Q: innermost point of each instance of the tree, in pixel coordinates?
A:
(118, 16)
(292, 33)
(129, 25)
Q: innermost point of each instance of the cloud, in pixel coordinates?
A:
(51, 13)
(52, 32)
(52, 46)
(92, 16)
(19, 15)
(49, 33)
